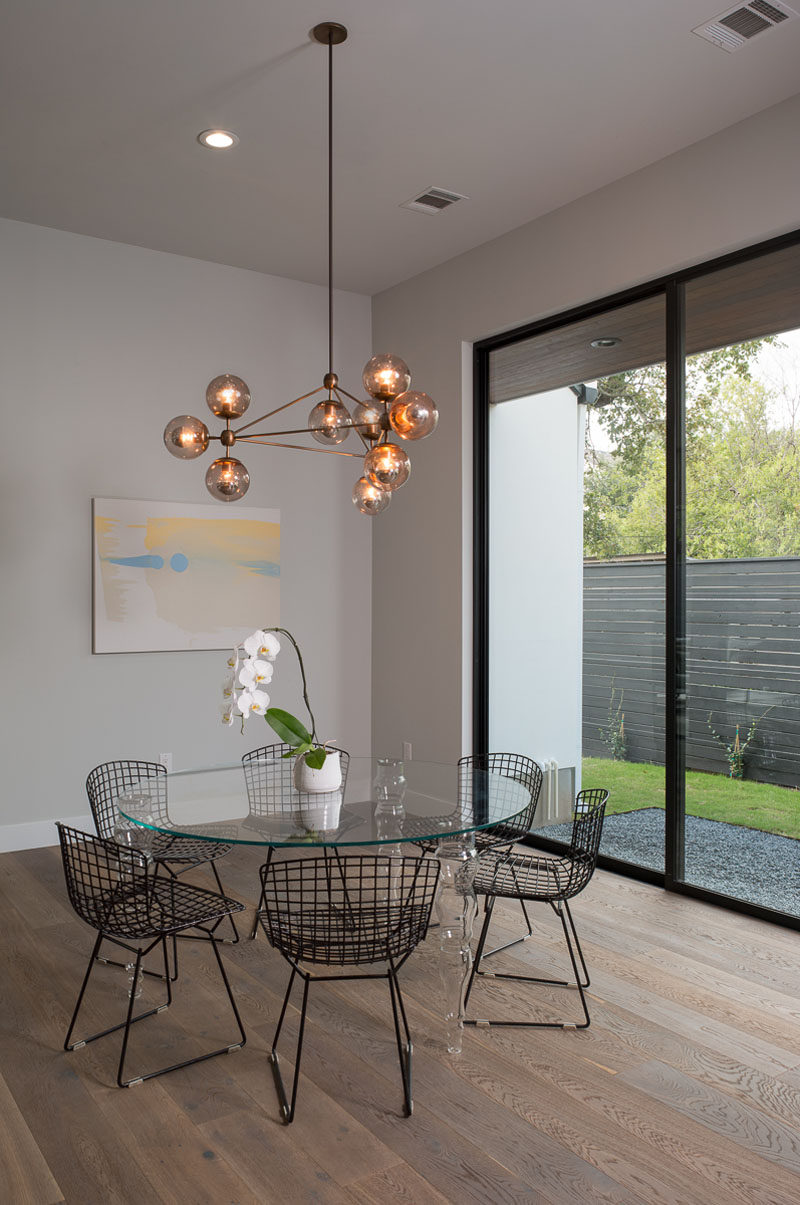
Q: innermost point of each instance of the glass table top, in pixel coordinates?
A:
(256, 803)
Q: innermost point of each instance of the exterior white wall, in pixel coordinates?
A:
(536, 577)
(727, 191)
(101, 344)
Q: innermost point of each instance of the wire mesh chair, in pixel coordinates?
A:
(357, 910)
(177, 855)
(118, 892)
(553, 880)
(271, 790)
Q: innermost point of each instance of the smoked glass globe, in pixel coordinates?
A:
(370, 498)
(385, 376)
(331, 420)
(228, 396)
(227, 479)
(413, 415)
(186, 437)
(387, 465)
(367, 419)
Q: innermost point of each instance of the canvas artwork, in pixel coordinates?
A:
(171, 575)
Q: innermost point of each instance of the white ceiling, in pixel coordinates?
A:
(521, 105)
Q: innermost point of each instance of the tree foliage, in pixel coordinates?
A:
(742, 467)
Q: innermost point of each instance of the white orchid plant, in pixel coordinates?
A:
(250, 667)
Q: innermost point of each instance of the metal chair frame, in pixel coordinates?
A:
(543, 879)
(106, 782)
(118, 893)
(357, 910)
(270, 789)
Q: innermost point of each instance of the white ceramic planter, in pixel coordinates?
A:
(316, 782)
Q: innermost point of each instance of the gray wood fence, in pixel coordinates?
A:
(743, 660)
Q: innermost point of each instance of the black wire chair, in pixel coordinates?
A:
(118, 892)
(514, 766)
(177, 855)
(271, 791)
(354, 911)
(553, 880)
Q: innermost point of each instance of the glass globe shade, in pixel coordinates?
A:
(228, 396)
(227, 479)
(414, 415)
(332, 421)
(370, 498)
(385, 376)
(387, 465)
(186, 437)
(367, 419)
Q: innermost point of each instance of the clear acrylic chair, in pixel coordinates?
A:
(176, 855)
(354, 911)
(119, 893)
(549, 879)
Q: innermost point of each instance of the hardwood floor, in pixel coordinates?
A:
(685, 1089)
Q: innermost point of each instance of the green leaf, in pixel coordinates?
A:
(287, 727)
(315, 760)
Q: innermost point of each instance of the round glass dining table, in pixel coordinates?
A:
(381, 803)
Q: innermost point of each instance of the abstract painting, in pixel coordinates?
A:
(171, 575)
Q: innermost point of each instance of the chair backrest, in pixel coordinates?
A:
(587, 829)
(108, 781)
(515, 766)
(107, 884)
(268, 778)
(348, 910)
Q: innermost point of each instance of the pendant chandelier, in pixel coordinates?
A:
(391, 407)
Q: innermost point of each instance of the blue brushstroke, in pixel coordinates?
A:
(178, 562)
(138, 562)
(265, 568)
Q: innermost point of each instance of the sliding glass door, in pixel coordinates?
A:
(637, 557)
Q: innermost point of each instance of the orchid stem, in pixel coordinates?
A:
(285, 632)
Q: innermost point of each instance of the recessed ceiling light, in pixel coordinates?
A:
(606, 341)
(218, 140)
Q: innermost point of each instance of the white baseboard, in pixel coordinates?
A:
(38, 833)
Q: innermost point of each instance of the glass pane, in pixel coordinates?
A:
(742, 827)
(577, 540)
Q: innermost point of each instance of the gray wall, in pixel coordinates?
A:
(101, 344)
(727, 191)
(743, 661)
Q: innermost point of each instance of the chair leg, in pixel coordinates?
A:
(200, 1058)
(488, 908)
(68, 1045)
(517, 940)
(261, 901)
(287, 1109)
(229, 941)
(404, 1049)
(561, 908)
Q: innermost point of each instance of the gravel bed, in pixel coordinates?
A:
(737, 861)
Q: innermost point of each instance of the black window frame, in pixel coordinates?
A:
(673, 288)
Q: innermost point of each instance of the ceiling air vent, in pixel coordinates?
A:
(433, 200)
(733, 29)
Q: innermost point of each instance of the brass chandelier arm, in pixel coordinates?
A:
(302, 447)
(263, 417)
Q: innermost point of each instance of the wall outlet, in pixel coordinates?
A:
(166, 760)
(407, 751)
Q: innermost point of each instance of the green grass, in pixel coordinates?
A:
(758, 805)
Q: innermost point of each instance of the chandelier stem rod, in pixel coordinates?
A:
(330, 201)
(269, 443)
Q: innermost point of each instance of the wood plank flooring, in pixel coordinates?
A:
(685, 1090)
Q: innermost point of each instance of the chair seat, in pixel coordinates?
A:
(156, 907)
(186, 849)
(345, 935)
(525, 876)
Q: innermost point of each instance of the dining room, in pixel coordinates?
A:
(174, 624)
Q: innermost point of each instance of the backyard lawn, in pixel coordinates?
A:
(758, 805)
